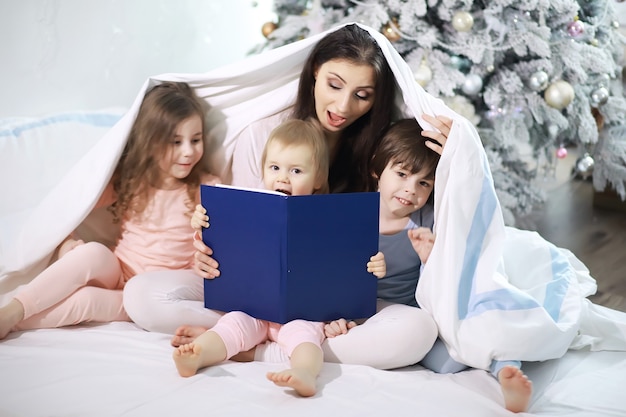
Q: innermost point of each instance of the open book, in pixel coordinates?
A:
(291, 257)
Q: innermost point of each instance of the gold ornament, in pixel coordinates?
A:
(391, 32)
(268, 28)
(559, 94)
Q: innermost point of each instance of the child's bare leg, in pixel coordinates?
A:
(208, 349)
(186, 334)
(10, 315)
(306, 363)
(516, 389)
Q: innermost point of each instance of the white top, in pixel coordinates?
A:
(246, 167)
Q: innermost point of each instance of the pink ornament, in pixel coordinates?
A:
(575, 28)
(561, 152)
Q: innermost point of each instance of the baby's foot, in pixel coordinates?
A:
(516, 389)
(186, 334)
(187, 359)
(302, 381)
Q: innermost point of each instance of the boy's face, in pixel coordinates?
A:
(401, 192)
(290, 169)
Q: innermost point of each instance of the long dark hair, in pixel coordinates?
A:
(349, 169)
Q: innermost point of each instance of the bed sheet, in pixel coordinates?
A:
(116, 369)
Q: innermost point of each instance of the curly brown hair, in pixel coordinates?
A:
(137, 172)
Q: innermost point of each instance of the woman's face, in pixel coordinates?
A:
(344, 91)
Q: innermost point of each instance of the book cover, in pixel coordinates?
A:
(291, 257)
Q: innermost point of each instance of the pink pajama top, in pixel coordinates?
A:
(159, 239)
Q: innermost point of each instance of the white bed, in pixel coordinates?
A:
(117, 369)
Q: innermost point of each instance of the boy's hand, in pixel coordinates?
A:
(199, 219)
(377, 265)
(338, 327)
(422, 240)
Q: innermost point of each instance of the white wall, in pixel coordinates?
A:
(59, 55)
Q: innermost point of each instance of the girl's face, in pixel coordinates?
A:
(402, 193)
(290, 169)
(344, 91)
(183, 152)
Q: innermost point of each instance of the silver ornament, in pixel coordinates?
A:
(538, 81)
(599, 96)
(472, 85)
(584, 166)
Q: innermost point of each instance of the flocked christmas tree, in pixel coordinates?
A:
(534, 76)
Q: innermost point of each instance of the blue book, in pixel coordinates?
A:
(291, 257)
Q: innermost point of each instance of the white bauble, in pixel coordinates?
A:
(462, 21)
(559, 94)
(423, 74)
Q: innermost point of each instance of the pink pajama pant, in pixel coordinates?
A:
(241, 332)
(85, 285)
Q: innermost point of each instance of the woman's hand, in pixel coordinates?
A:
(338, 327)
(443, 125)
(204, 265)
(377, 265)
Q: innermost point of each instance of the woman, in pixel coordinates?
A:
(347, 85)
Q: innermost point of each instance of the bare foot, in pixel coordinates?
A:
(186, 334)
(10, 315)
(187, 359)
(516, 389)
(299, 379)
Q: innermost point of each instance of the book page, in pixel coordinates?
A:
(255, 190)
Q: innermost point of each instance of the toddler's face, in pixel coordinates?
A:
(290, 169)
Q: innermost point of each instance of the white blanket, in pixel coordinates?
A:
(499, 293)
(484, 310)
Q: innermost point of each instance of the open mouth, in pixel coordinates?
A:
(335, 120)
(283, 191)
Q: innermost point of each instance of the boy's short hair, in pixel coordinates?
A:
(403, 143)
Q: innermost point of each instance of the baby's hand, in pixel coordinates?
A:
(338, 327)
(68, 245)
(199, 219)
(377, 265)
(422, 240)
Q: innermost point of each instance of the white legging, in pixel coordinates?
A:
(396, 336)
